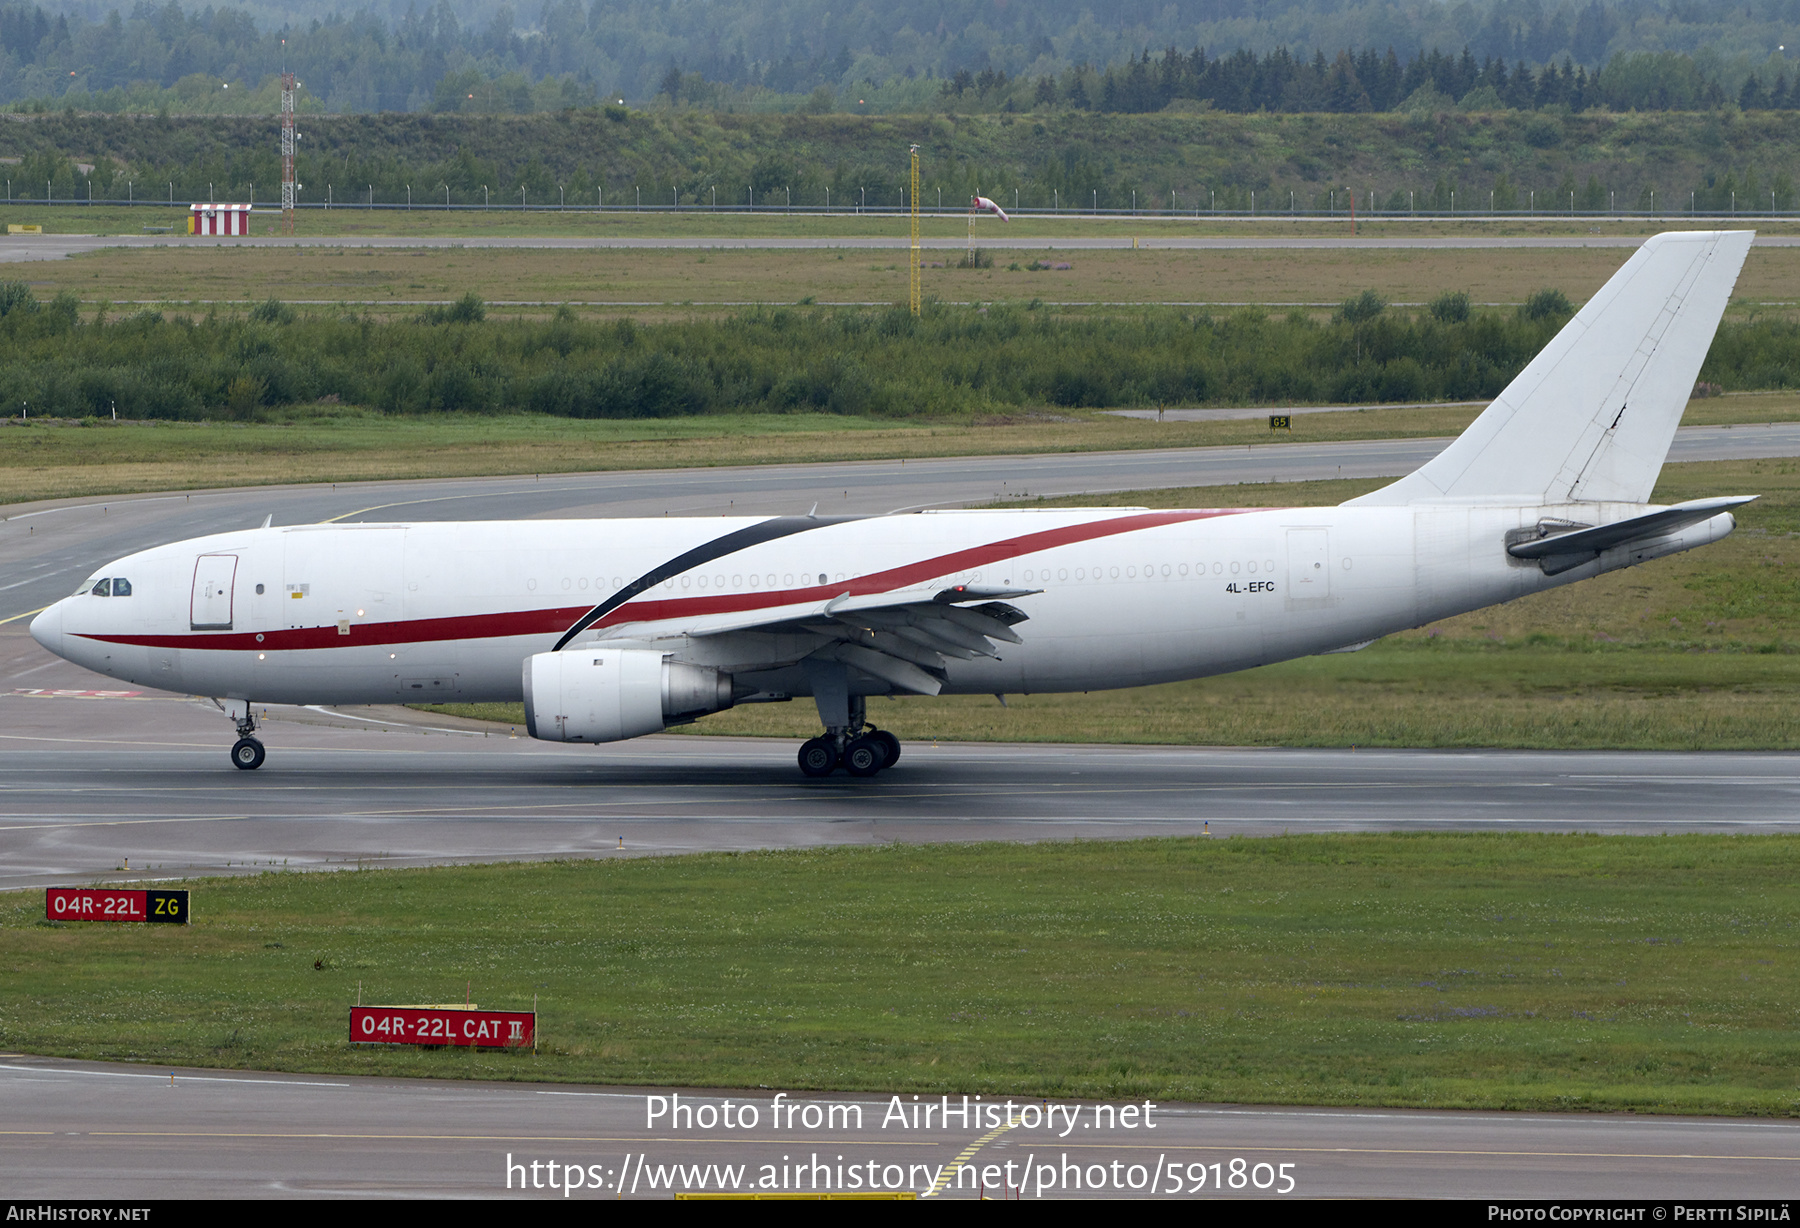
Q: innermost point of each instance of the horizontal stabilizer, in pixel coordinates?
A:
(1561, 552)
(1606, 536)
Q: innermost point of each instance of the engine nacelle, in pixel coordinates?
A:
(610, 694)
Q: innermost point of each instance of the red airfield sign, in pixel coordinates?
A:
(436, 1025)
(106, 904)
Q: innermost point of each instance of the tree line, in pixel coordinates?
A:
(812, 54)
(885, 363)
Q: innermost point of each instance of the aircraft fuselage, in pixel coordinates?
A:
(361, 614)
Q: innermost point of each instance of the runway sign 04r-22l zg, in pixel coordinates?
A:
(105, 904)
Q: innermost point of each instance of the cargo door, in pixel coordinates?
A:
(209, 607)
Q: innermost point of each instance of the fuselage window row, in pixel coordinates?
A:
(1150, 572)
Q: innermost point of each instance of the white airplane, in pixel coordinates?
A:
(611, 629)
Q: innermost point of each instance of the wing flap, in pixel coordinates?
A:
(902, 674)
(904, 639)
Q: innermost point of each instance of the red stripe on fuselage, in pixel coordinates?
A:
(648, 609)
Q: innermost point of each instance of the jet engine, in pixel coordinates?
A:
(610, 694)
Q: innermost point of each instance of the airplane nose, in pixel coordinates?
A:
(47, 630)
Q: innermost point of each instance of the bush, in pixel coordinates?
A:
(1547, 305)
(274, 311)
(1362, 308)
(469, 309)
(244, 396)
(16, 296)
(1451, 307)
(1542, 132)
(877, 362)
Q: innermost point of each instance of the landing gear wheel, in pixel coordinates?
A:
(247, 754)
(818, 757)
(865, 756)
(892, 744)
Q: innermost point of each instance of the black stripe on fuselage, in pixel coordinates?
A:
(742, 539)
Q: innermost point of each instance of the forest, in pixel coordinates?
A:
(860, 58)
(1438, 161)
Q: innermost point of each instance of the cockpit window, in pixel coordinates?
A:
(121, 587)
(103, 589)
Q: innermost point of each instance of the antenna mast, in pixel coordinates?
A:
(914, 200)
(287, 153)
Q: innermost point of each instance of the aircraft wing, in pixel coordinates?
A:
(905, 639)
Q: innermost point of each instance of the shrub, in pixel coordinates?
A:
(1546, 305)
(469, 309)
(1363, 307)
(1451, 307)
(273, 311)
(16, 296)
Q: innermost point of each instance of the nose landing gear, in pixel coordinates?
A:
(247, 753)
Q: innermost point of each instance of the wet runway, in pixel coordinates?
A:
(99, 1131)
(96, 777)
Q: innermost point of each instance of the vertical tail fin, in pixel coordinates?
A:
(1591, 418)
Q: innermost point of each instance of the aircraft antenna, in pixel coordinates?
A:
(913, 199)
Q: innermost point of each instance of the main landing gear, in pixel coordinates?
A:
(247, 753)
(858, 747)
(864, 755)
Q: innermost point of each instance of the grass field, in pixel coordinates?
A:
(1489, 971)
(59, 459)
(661, 280)
(1693, 652)
(51, 460)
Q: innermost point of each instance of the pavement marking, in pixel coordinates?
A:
(502, 1138)
(27, 692)
(220, 818)
(949, 1172)
(20, 737)
(1473, 1152)
(132, 1074)
(484, 494)
(370, 720)
(1493, 1119)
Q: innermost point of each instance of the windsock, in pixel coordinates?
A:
(982, 204)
